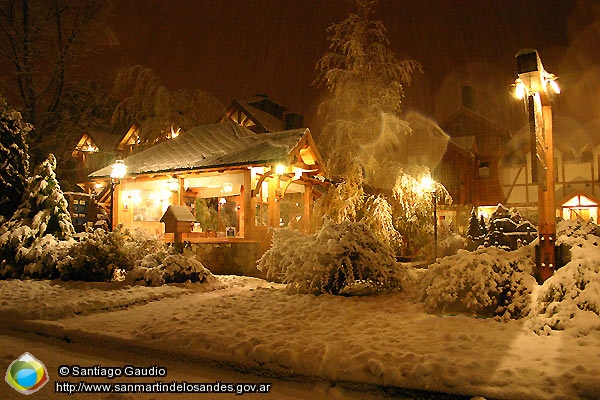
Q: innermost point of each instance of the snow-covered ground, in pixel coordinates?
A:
(256, 326)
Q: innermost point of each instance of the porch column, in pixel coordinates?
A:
(273, 203)
(308, 206)
(247, 211)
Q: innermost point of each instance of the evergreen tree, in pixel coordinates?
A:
(43, 211)
(474, 231)
(482, 226)
(42, 214)
(14, 159)
(365, 79)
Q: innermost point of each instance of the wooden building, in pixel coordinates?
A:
(237, 184)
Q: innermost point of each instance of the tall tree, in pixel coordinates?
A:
(14, 158)
(159, 113)
(42, 41)
(365, 80)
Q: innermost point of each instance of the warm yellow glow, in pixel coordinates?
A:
(555, 87)
(280, 169)
(227, 188)
(98, 186)
(307, 156)
(118, 169)
(173, 184)
(427, 183)
(520, 89)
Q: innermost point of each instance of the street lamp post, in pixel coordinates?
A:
(532, 86)
(435, 223)
(117, 172)
(427, 184)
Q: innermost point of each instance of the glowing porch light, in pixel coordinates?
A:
(520, 89)
(280, 169)
(173, 184)
(554, 86)
(227, 188)
(118, 170)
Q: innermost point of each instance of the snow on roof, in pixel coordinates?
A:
(211, 146)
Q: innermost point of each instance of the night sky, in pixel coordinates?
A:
(236, 48)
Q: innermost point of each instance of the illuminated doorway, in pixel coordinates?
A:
(580, 206)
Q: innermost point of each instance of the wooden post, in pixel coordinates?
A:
(247, 211)
(308, 206)
(273, 201)
(547, 212)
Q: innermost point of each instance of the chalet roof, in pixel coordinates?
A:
(467, 143)
(256, 109)
(466, 122)
(212, 146)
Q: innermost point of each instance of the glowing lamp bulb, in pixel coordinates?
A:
(227, 188)
(280, 169)
(520, 89)
(555, 87)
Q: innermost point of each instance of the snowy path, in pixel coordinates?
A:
(384, 340)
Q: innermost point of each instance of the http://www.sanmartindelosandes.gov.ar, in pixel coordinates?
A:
(27, 374)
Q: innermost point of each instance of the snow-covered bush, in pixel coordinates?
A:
(42, 258)
(162, 267)
(97, 255)
(337, 259)
(489, 282)
(571, 297)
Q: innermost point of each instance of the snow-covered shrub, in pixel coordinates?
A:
(489, 282)
(451, 243)
(571, 297)
(42, 258)
(97, 255)
(334, 260)
(159, 268)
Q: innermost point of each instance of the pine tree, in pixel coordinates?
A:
(474, 231)
(365, 79)
(42, 214)
(14, 158)
(43, 211)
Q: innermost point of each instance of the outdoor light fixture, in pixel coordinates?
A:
(173, 184)
(428, 185)
(536, 86)
(280, 169)
(227, 188)
(117, 172)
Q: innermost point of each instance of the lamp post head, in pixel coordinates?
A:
(533, 78)
(118, 170)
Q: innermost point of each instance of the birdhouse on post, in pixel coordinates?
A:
(177, 220)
